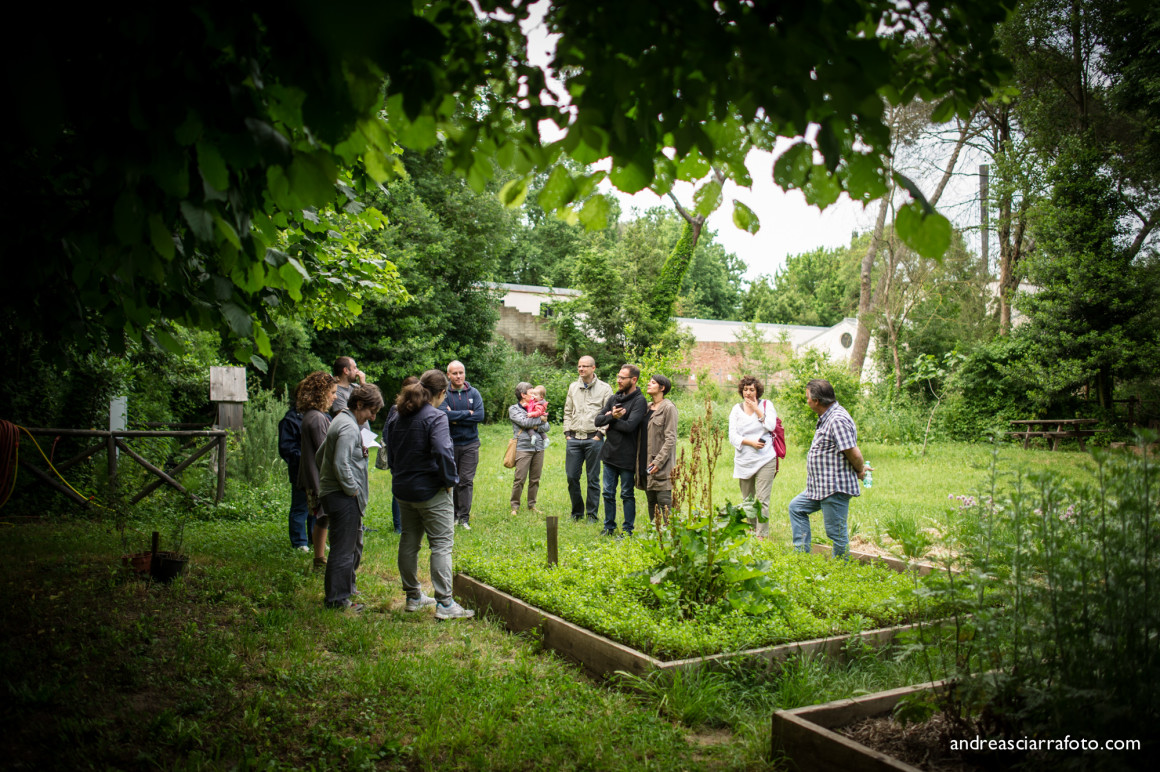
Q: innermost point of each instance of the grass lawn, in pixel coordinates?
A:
(238, 664)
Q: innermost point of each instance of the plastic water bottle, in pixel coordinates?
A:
(868, 480)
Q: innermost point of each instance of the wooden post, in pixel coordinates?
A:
(118, 419)
(155, 546)
(111, 449)
(553, 550)
(221, 489)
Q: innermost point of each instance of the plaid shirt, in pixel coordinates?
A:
(827, 470)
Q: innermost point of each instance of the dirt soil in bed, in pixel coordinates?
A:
(925, 745)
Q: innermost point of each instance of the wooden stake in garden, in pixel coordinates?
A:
(553, 551)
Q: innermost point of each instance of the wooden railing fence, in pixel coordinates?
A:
(112, 441)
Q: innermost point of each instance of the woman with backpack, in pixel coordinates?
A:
(751, 433)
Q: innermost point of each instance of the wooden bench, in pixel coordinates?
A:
(1064, 428)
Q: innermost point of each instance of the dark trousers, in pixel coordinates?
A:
(346, 546)
(662, 499)
(612, 475)
(583, 456)
(301, 521)
(466, 460)
(396, 517)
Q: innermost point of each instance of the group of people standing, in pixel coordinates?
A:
(431, 443)
(332, 475)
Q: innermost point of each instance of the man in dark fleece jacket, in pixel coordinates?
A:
(464, 409)
(624, 415)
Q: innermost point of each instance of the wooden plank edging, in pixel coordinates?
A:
(602, 656)
(806, 738)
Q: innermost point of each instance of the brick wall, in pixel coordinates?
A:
(716, 361)
(526, 332)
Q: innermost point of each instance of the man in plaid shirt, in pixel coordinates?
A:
(834, 466)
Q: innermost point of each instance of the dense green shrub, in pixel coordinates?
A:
(982, 396)
(790, 396)
(253, 455)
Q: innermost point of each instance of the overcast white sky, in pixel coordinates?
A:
(789, 226)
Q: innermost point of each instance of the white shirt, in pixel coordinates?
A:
(742, 426)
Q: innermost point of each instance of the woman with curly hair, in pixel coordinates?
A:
(751, 426)
(316, 392)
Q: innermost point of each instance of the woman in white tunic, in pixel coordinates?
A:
(751, 425)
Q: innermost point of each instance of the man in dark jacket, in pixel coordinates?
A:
(623, 416)
(464, 409)
(290, 449)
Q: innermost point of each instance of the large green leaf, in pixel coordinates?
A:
(744, 218)
(708, 198)
(200, 221)
(312, 178)
(238, 319)
(928, 234)
(558, 191)
(514, 192)
(633, 176)
(823, 188)
(793, 166)
(595, 213)
(864, 178)
(213, 168)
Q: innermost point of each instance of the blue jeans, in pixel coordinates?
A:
(583, 456)
(301, 521)
(834, 508)
(612, 474)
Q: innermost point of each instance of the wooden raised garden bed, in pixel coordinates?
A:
(602, 656)
(806, 737)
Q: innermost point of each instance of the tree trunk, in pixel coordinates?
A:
(865, 296)
(1104, 386)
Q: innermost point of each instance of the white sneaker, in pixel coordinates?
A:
(464, 525)
(420, 603)
(304, 548)
(454, 611)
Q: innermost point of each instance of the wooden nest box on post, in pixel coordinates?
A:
(227, 389)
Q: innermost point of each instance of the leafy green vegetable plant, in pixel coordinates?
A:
(701, 555)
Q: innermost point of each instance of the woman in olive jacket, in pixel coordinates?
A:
(654, 472)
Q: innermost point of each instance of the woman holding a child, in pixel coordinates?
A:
(529, 417)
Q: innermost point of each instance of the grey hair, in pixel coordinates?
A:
(522, 388)
(822, 391)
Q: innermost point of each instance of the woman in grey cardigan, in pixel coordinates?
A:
(531, 436)
(342, 469)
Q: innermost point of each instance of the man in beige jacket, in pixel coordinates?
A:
(586, 396)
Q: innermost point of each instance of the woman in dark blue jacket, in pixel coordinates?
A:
(422, 462)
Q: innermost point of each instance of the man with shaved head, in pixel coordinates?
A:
(586, 396)
(464, 409)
